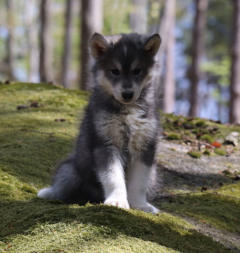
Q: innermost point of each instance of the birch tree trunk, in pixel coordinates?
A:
(169, 79)
(138, 16)
(9, 40)
(67, 48)
(197, 51)
(234, 115)
(45, 61)
(92, 21)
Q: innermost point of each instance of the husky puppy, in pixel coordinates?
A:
(113, 161)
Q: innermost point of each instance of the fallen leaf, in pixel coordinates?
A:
(216, 144)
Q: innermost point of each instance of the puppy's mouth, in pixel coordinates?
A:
(127, 97)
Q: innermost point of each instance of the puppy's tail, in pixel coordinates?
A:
(64, 181)
(46, 193)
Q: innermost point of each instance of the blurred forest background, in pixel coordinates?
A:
(198, 63)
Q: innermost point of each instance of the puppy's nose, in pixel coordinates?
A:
(127, 95)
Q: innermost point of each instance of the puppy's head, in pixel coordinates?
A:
(123, 63)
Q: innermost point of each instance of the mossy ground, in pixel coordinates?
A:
(198, 132)
(34, 139)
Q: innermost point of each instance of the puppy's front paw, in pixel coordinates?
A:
(146, 207)
(122, 203)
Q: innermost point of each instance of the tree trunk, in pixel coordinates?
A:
(234, 115)
(92, 21)
(138, 16)
(197, 51)
(67, 48)
(9, 41)
(31, 33)
(45, 63)
(169, 80)
(165, 27)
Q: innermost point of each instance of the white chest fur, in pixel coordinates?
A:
(131, 126)
(141, 129)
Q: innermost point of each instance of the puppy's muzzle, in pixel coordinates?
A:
(127, 96)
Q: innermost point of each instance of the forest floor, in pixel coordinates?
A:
(198, 194)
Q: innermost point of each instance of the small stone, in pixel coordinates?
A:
(232, 138)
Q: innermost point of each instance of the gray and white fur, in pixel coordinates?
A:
(113, 161)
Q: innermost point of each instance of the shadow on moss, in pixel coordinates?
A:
(192, 181)
(29, 154)
(218, 210)
(21, 217)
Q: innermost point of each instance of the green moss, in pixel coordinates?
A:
(173, 136)
(188, 125)
(28, 188)
(227, 172)
(194, 154)
(201, 123)
(32, 142)
(196, 128)
(207, 137)
(220, 151)
(220, 209)
(207, 152)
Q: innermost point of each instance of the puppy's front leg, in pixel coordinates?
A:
(113, 181)
(138, 179)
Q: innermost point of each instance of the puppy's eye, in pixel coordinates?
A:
(137, 71)
(115, 72)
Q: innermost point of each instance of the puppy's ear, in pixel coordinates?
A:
(152, 44)
(98, 45)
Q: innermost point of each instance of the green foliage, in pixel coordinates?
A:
(219, 23)
(218, 69)
(116, 16)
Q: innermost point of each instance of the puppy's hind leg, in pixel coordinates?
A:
(64, 181)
